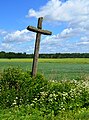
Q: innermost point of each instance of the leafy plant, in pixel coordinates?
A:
(18, 88)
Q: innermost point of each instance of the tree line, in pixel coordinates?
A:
(10, 55)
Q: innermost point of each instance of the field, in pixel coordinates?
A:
(54, 69)
(63, 95)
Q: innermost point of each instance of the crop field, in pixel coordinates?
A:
(63, 95)
(54, 69)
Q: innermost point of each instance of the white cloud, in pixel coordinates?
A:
(67, 11)
(16, 41)
(2, 32)
(6, 46)
(73, 12)
(84, 41)
(56, 39)
(85, 38)
(70, 39)
(19, 36)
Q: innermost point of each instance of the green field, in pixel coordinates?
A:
(54, 69)
(27, 98)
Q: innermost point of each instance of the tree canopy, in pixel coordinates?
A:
(10, 55)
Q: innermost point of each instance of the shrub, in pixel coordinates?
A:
(18, 87)
(50, 97)
(64, 95)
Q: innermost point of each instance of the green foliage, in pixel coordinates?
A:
(64, 95)
(18, 87)
(49, 99)
(29, 113)
(10, 55)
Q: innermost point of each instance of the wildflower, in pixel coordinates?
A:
(51, 95)
(35, 99)
(16, 97)
(14, 103)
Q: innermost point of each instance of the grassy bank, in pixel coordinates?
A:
(24, 97)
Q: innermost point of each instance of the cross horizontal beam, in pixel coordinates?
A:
(39, 31)
(34, 29)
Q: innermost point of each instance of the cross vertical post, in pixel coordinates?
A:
(36, 50)
(39, 31)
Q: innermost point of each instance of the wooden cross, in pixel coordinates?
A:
(39, 31)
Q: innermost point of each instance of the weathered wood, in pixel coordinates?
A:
(36, 50)
(34, 29)
(39, 31)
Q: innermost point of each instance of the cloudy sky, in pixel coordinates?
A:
(67, 19)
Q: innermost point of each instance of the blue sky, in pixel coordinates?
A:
(67, 19)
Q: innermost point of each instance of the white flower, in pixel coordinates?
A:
(35, 99)
(14, 103)
(16, 97)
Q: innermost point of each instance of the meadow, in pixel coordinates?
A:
(54, 69)
(59, 92)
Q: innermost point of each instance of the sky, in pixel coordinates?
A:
(68, 20)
